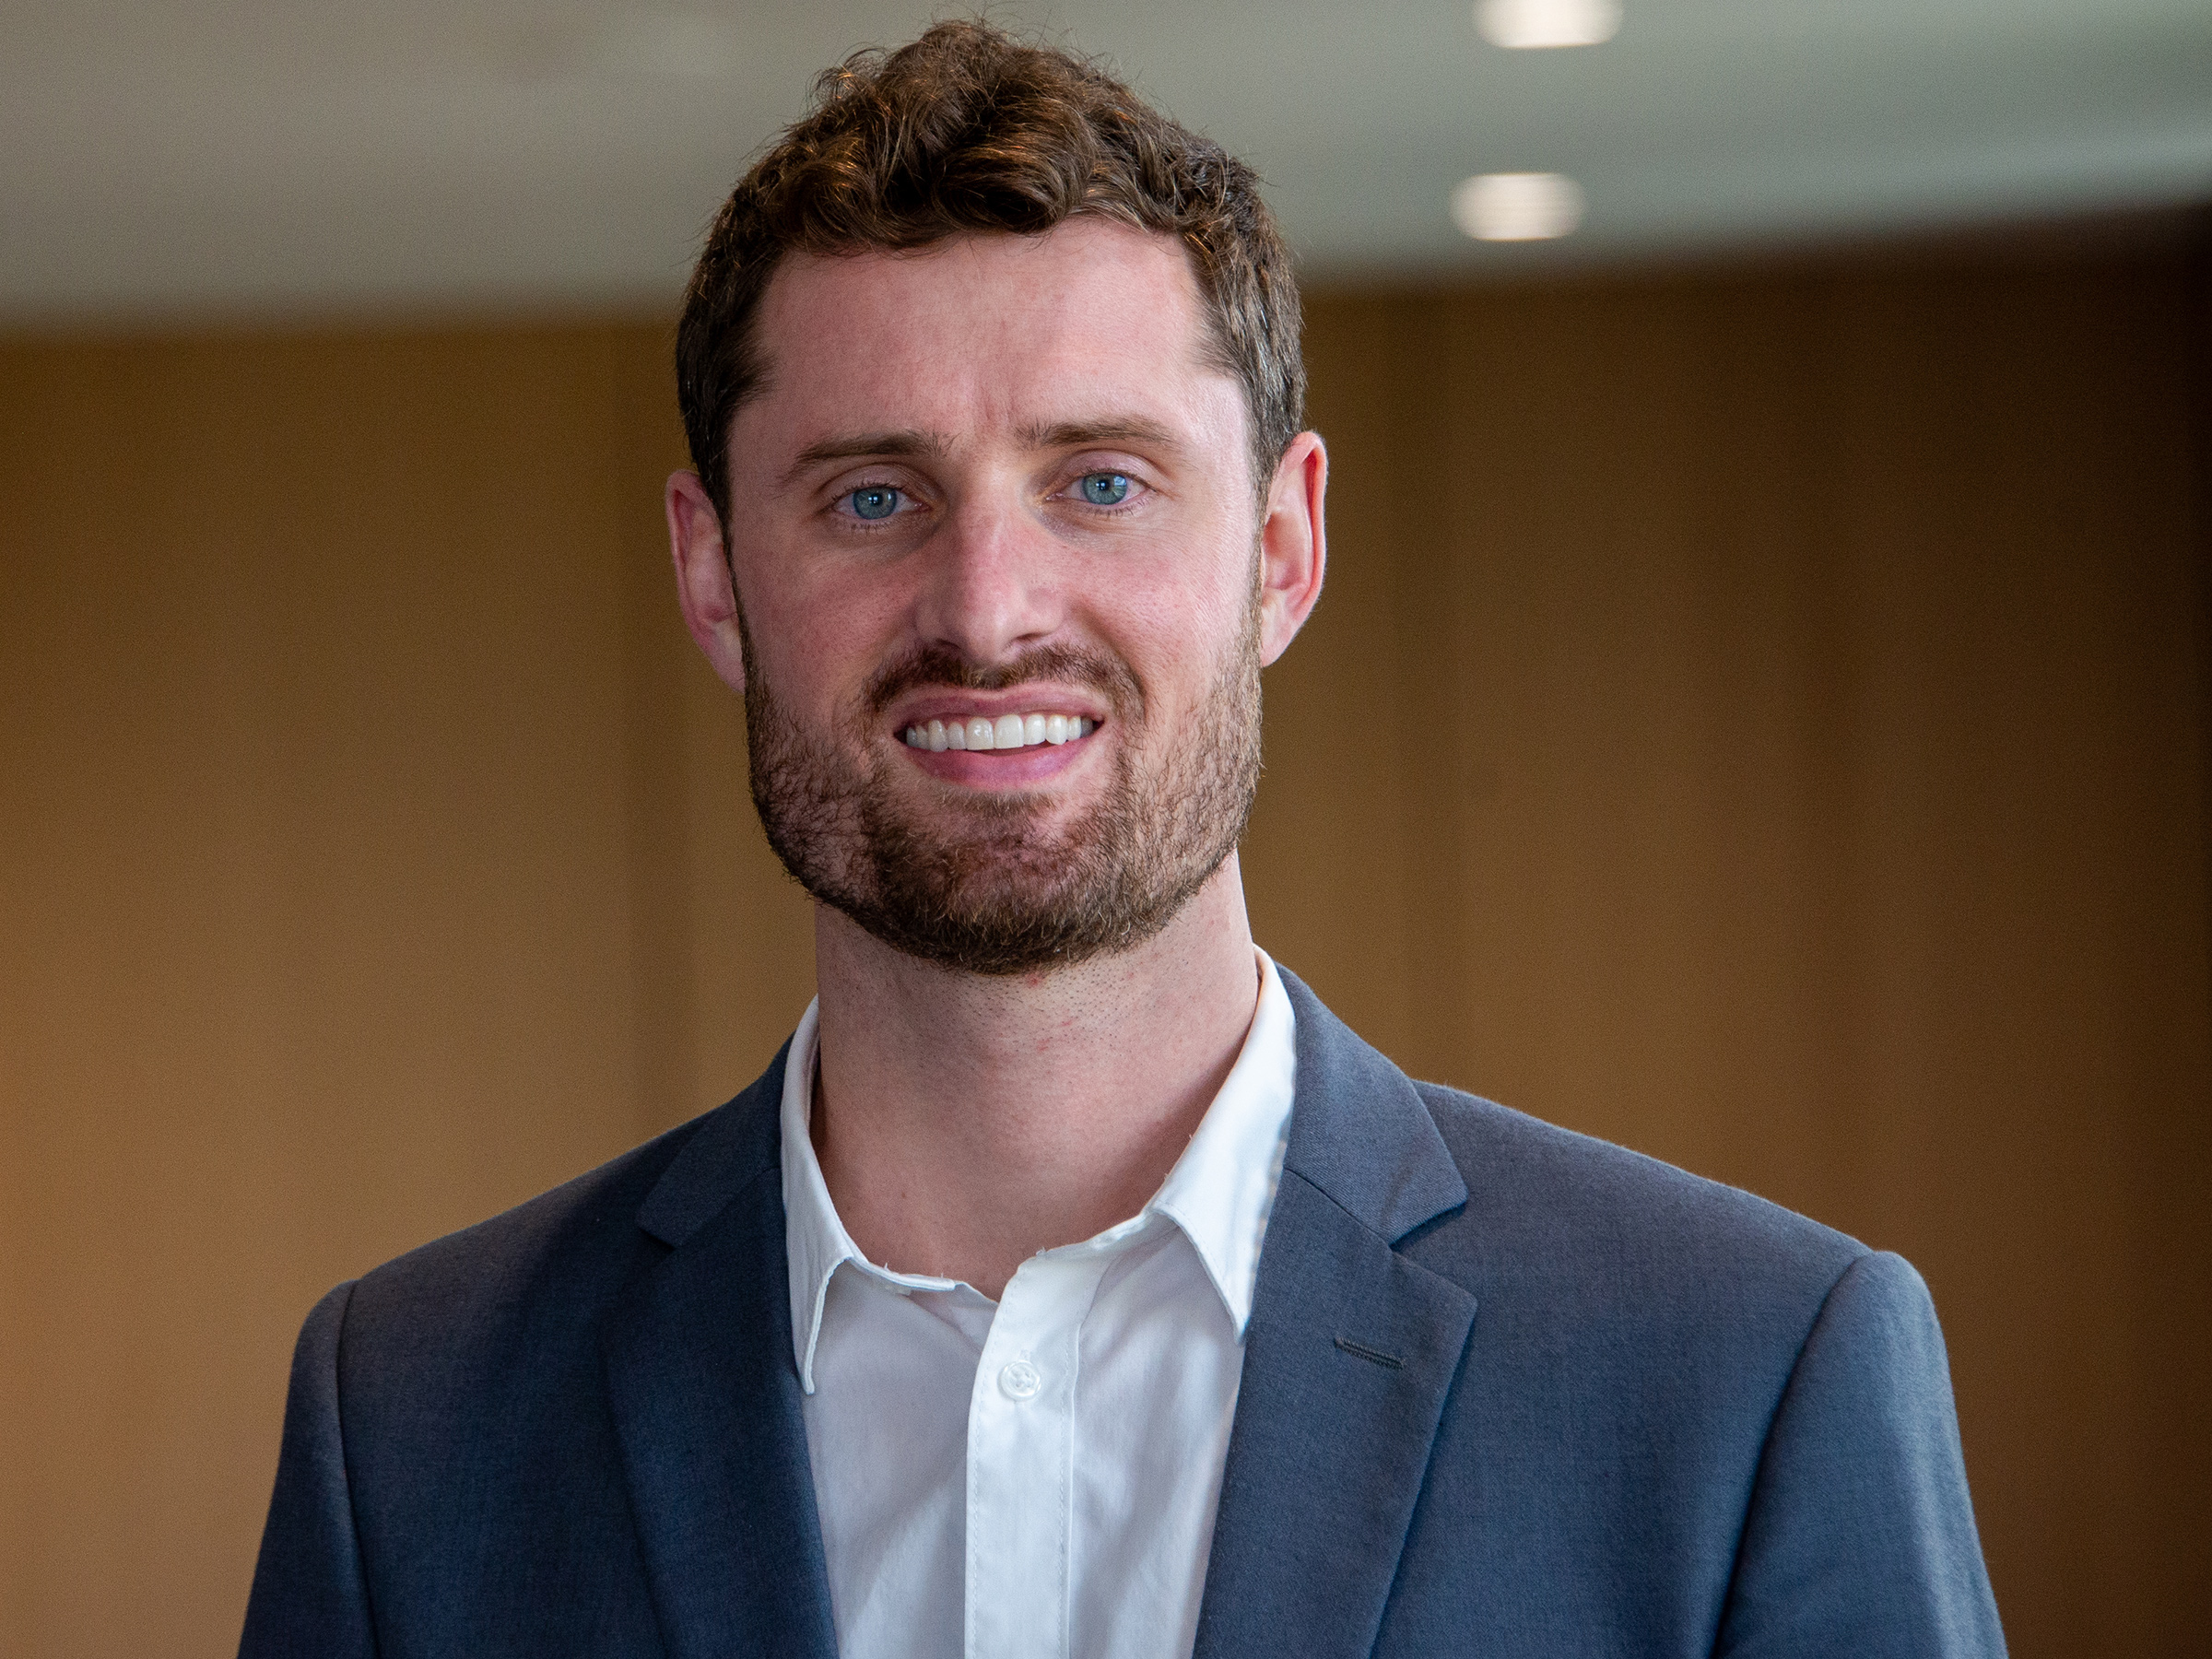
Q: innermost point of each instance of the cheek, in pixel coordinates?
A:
(1175, 631)
(817, 642)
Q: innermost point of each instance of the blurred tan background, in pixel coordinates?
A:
(1759, 714)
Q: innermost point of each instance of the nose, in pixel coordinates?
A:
(993, 585)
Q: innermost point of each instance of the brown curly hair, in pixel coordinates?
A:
(968, 130)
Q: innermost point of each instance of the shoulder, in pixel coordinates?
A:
(1564, 1230)
(540, 1279)
(572, 1229)
(1489, 1196)
(1580, 1194)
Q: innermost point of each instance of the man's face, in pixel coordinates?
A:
(997, 490)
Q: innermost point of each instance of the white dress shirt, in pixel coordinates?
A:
(1036, 1477)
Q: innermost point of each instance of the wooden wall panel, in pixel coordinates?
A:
(1779, 702)
(337, 904)
(1758, 717)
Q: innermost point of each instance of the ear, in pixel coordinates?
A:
(703, 577)
(1293, 544)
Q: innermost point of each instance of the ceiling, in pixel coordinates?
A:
(263, 157)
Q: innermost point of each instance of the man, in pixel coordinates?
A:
(1073, 1282)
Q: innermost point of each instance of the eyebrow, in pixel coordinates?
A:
(1124, 429)
(1077, 434)
(863, 445)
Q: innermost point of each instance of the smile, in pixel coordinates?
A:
(1007, 732)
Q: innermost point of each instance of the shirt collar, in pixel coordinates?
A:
(1222, 1190)
(1219, 1192)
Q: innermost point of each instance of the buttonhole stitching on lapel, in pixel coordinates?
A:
(1377, 1355)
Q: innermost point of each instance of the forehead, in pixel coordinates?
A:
(981, 332)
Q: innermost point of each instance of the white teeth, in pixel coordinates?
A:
(1008, 731)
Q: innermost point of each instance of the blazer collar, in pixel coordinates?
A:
(1351, 1353)
(730, 1147)
(706, 1402)
(1361, 1132)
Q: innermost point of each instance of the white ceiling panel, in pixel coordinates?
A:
(269, 156)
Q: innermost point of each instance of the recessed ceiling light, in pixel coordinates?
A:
(1520, 25)
(1524, 206)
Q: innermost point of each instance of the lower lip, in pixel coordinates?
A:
(999, 769)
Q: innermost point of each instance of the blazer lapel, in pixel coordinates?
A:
(1349, 1355)
(706, 1402)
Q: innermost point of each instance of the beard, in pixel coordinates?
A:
(985, 883)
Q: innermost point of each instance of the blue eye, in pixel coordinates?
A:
(1105, 490)
(875, 501)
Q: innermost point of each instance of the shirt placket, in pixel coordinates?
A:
(1021, 1452)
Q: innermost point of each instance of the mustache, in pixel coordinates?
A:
(939, 667)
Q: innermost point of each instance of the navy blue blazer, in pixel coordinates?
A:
(1507, 1391)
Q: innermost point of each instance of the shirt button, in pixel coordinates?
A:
(1020, 1380)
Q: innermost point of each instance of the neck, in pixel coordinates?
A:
(966, 1122)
